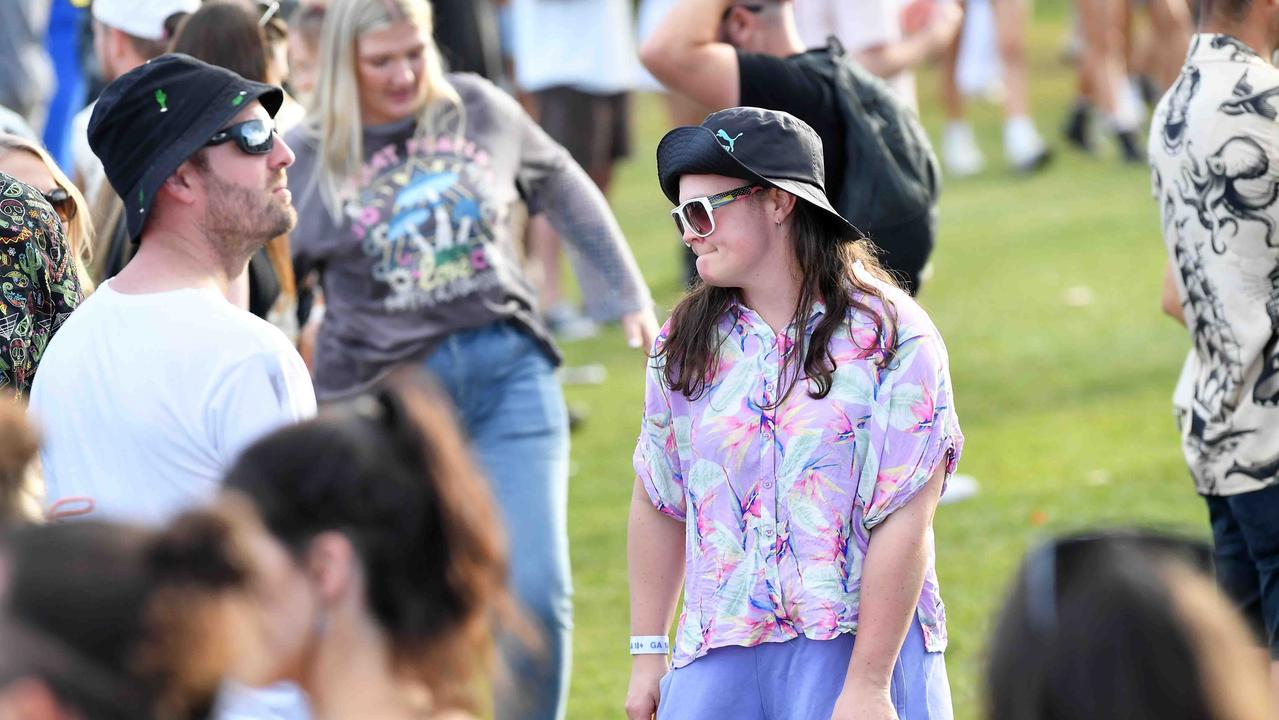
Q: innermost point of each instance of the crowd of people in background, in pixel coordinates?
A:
(281, 313)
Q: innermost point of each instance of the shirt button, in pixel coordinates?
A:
(768, 531)
(768, 435)
(768, 486)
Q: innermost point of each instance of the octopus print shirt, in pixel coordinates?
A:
(424, 245)
(1214, 158)
(38, 283)
(778, 504)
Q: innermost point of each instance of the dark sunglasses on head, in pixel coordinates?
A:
(1056, 560)
(698, 214)
(61, 202)
(255, 137)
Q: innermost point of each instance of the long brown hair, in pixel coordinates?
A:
(827, 253)
(392, 471)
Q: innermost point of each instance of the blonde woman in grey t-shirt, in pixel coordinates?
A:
(402, 183)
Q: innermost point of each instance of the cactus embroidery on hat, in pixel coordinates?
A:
(239, 99)
(162, 100)
(142, 196)
(732, 141)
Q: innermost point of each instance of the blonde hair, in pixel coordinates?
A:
(79, 229)
(336, 100)
(1232, 667)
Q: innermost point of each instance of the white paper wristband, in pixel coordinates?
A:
(650, 645)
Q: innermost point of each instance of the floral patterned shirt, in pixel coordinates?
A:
(779, 504)
(38, 283)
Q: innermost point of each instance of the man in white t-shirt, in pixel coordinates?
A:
(126, 33)
(156, 382)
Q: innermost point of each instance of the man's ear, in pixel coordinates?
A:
(737, 25)
(184, 184)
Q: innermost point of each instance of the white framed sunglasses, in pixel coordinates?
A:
(698, 214)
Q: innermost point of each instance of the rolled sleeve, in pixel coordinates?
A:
(914, 429)
(656, 452)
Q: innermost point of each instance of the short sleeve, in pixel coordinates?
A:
(256, 396)
(913, 428)
(656, 453)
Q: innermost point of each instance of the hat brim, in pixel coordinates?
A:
(694, 150)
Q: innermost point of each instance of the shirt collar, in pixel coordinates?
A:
(1219, 47)
(740, 311)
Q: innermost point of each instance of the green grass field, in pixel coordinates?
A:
(1065, 407)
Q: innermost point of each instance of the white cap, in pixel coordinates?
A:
(141, 18)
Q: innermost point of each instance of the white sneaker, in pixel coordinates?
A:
(1024, 148)
(959, 150)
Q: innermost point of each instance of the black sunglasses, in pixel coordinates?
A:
(1056, 559)
(61, 202)
(255, 137)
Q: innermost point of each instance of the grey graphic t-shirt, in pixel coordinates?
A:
(424, 246)
(1214, 157)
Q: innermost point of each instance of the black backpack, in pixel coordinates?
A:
(892, 178)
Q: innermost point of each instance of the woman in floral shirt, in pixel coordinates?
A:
(798, 405)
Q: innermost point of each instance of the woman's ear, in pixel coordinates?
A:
(331, 566)
(780, 205)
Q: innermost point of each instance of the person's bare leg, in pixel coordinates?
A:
(952, 99)
(1011, 17)
(1105, 23)
(1172, 26)
(1023, 147)
(1102, 57)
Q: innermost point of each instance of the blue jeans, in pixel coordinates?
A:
(1245, 538)
(510, 404)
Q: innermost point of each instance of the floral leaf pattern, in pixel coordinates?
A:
(779, 503)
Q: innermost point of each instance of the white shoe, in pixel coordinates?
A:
(1024, 148)
(959, 150)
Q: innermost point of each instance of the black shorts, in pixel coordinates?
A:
(595, 129)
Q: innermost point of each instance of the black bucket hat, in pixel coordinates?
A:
(770, 147)
(151, 119)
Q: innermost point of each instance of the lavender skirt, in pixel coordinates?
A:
(798, 680)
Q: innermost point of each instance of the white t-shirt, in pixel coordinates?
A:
(859, 25)
(144, 401)
(588, 45)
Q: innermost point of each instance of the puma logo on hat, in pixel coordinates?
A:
(732, 141)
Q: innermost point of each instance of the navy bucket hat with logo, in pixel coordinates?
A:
(770, 147)
(151, 119)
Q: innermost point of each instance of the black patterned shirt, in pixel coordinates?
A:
(1214, 158)
(38, 283)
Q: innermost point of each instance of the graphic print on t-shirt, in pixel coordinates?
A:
(425, 222)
